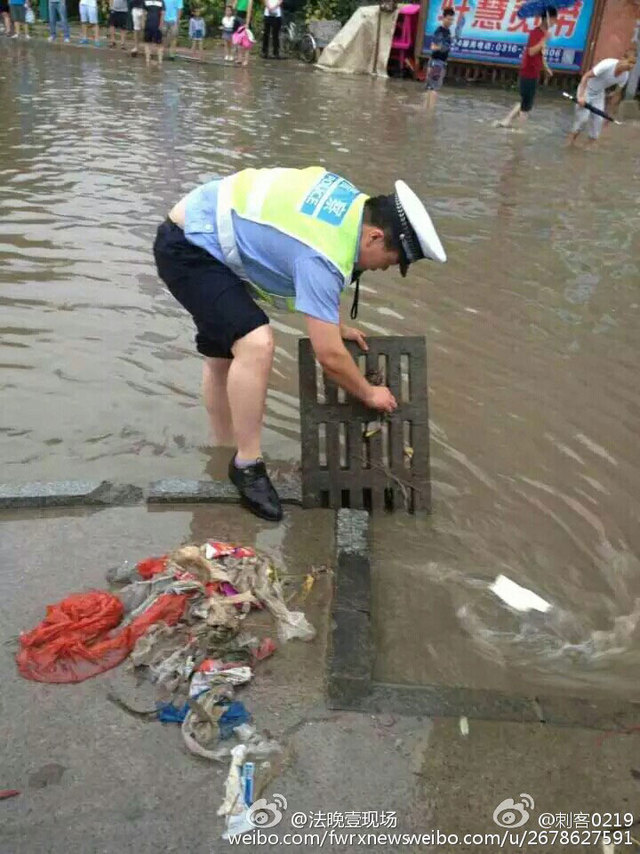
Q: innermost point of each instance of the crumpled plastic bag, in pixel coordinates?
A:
(233, 803)
(259, 576)
(170, 714)
(233, 716)
(232, 676)
(293, 624)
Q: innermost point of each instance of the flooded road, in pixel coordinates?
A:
(532, 326)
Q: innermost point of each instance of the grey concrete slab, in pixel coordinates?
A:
(600, 714)
(180, 490)
(68, 493)
(353, 532)
(450, 701)
(353, 562)
(564, 771)
(351, 656)
(128, 784)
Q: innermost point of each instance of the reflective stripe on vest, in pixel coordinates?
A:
(316, 207)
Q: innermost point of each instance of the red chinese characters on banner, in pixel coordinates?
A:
(567, 20)
(490, 14)
(521, 25)
(565, 25)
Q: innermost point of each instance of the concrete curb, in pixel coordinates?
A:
(352, 654)
(104, 493)
(179, 491)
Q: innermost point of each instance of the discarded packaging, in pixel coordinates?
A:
(518, 597)
(170, 714)
(266, 648)
(232, 676)
(248, 782)
(233, 803)
(233, 716)
(180, 615)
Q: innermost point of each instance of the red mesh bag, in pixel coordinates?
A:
(78, 638)
(152, 566)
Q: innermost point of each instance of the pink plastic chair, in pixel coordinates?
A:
(405, 33)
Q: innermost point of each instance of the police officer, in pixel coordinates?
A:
(295, 239)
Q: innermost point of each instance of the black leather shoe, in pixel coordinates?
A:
(256, 490)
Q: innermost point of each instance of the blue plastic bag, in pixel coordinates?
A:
(234, 715)
(170, 714)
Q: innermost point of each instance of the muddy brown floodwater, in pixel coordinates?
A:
(532, 326)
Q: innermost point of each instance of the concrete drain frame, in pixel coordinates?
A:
(351, 657)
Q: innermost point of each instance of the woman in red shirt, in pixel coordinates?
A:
(533, 62)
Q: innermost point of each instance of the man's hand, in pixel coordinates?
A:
(548, 72)
(338, 364)
(349, 333)
(581, 102)
(380, 398)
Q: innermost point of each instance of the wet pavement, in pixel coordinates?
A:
(93, 778)
(531, 331)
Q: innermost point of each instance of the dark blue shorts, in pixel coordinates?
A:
(528, 87)
(153, 35)
(222, 308)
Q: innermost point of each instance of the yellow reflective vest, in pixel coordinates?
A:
(316, 207)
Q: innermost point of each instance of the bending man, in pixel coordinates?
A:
(294, 238)
(592, 90)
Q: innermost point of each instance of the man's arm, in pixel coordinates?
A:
(339, 366)
(583, 86)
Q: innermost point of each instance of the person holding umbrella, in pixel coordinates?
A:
(591, 93)
(533, 58)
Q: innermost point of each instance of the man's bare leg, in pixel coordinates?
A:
(215, 373)
(505, 123)
(247, 389)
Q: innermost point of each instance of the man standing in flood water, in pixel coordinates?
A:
(532, 64)
(294, 238)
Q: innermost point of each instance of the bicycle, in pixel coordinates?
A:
(295, 39)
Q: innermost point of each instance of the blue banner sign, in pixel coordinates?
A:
(490, 31)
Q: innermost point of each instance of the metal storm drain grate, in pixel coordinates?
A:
(351, 456)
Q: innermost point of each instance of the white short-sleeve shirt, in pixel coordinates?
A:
(605, 76)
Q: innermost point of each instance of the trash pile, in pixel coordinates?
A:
(180, 616)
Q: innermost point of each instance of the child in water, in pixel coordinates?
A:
(197, 32)
(228, 24)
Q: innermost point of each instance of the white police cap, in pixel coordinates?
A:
(417, 235)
